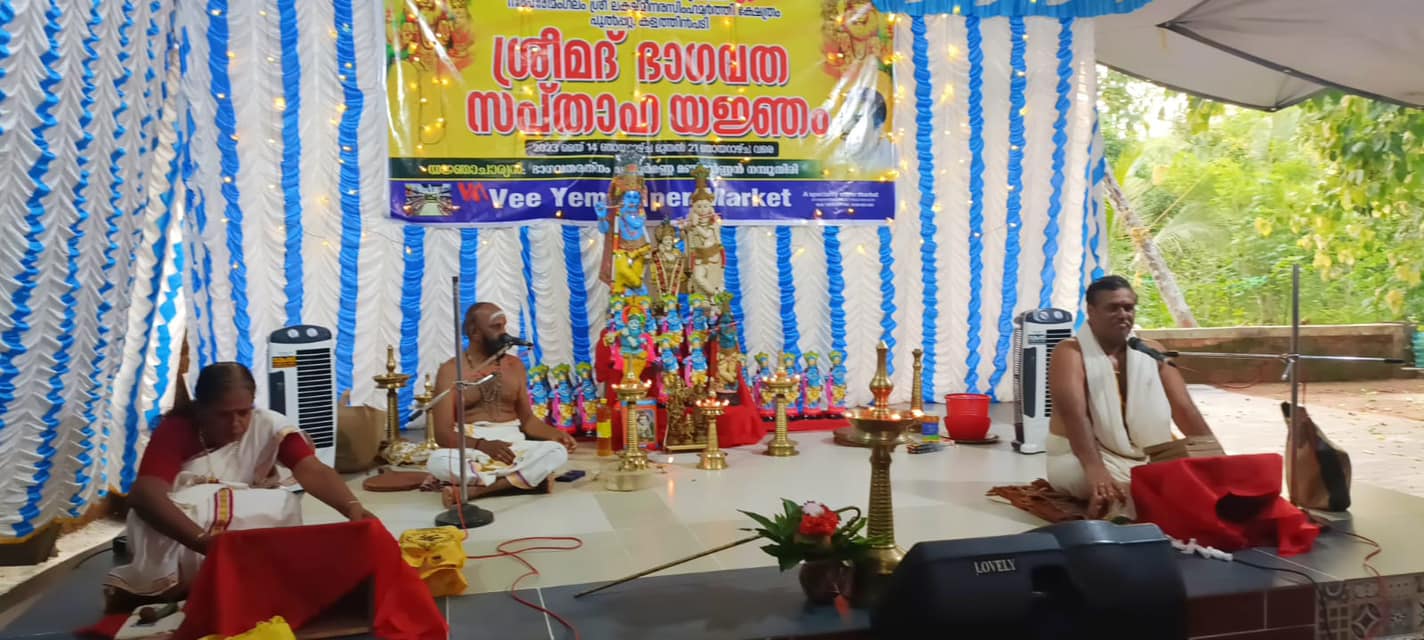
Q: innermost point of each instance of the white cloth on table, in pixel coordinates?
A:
(1121, 439)
(161, 563)
(534, 460)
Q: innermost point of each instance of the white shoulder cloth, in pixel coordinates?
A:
(1149, 415)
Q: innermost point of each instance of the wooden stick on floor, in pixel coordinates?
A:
(674, 563)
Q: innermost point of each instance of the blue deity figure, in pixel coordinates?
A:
(634, 341)
(836, 383)
(792, 363)
(696, 363)
(765, 400)
(539, 393)
(568, 398)
(588, 389)
(814, 384)
(631, 246)
(667, 357)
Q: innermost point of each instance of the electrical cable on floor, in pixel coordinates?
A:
(502, 552)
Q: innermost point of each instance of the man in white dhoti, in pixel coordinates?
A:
(507, 446)
(212, 466)
(1110, 403)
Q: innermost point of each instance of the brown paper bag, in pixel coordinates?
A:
(1317, 471)
(358, 435)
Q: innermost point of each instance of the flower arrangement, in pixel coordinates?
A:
(811, 532)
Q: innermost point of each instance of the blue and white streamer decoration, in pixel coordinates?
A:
(1009, 292)
(291, 167)
(354, 102)
(975, 42)
(835, 278)
(1010, 8)
(733, 277)
(413, 277)
(929, 246)
(1061, 107)
(226, 121)
(578, 294)
(786, 284)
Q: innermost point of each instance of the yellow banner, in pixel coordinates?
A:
(489, 95)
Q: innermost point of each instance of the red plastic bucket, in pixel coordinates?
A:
(967, 416)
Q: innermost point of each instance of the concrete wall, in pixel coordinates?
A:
(1389, 340)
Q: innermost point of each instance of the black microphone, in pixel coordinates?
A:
(1136, 343)
(507, 339)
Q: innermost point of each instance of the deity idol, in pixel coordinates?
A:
(564, 393)
(669, 266)
(729, 355)
(704, 239)
(815, 385)
(672, 318)
(696, 366)
(630, 180)
(634, 341)
(794, 405)
(766, 402)
(628, 237)
(587, 397)
(539, 394)
(836, 384)
(667, 363)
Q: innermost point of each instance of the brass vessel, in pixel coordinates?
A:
(781, 445)
(712, 458)
(880, 388)
(885, 429)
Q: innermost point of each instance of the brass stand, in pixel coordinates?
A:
(885, 427)
(423, 401)
(396, 450)
(712, 458)
(917, 383)
(631, 472)
(781, 446)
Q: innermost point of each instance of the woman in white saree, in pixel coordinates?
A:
(213, 466)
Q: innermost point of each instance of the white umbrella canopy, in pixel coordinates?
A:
(1270, 54)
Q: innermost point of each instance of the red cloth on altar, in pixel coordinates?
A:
(298, 572)
(739, 425)
(1227, 502)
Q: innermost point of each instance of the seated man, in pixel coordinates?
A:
(210, 467)
(1110, 403)
(502, 435)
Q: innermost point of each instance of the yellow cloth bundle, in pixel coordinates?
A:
(438, 555)
(274, 629)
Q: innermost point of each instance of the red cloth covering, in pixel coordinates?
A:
(298, 572)
(813, 424)
(106, 628)
(1227, 502)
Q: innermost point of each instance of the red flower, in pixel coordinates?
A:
(817, 520)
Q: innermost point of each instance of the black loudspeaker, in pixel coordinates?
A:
(1084, 579)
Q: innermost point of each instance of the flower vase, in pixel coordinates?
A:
(823, 580)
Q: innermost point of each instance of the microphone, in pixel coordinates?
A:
(507, 339)
(1136, 343)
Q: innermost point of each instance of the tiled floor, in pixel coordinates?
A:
(937, 496)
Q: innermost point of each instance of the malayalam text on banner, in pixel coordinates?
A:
(509, 111)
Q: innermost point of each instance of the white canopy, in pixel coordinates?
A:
(1270, 54)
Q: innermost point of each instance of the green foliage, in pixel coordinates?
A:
(1235, 197)
(790, 548)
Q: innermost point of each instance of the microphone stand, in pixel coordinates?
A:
(464, 515)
